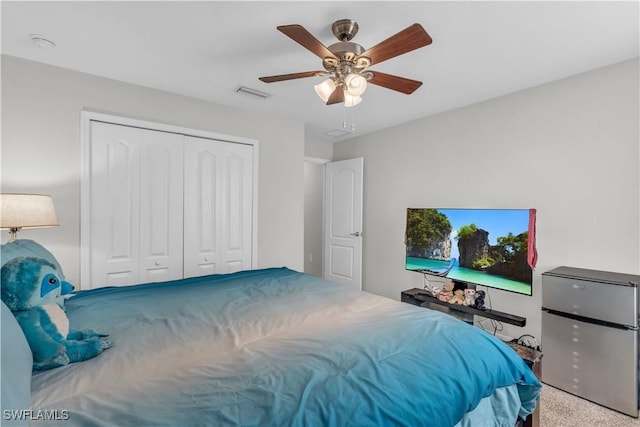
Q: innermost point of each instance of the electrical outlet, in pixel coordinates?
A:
(310, 257)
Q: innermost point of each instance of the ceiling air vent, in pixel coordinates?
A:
(252, 92)
(336, 133)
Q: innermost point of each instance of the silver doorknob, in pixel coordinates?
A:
(356, 234)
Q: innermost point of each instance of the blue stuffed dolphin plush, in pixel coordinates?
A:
(30, 288)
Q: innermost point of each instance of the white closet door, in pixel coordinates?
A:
(202, 222)
(114, 183)
(136, 205)
(161, 184)
(237, 207)
(218, 199)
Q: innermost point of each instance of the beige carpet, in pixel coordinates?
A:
(560, 409)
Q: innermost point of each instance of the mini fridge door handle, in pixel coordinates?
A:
(589, 320)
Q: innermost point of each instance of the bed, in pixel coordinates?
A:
(275, 347)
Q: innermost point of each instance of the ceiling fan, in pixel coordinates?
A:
(346, 63)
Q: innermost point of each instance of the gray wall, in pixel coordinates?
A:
(41, 108)
(570, 149)
(316, 154)
(313, 217)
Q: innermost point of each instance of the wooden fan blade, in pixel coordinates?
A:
(292, 76)
(300, 35)
(400, 84)
(411, 38)
(337, 96)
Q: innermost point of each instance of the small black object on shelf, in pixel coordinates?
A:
(479, 304)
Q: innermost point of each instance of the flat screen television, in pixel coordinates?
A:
(487, 247)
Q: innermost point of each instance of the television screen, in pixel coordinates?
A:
(486, 247)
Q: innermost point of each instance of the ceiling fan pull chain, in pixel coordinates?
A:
(344, 117)
(347, 122)
(353, 123)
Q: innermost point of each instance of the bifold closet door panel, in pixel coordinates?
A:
(202, 200)
(237, 203)
(218, 197)
(161, 213)
(136, 205)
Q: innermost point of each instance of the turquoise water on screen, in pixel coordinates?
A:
(468, 275)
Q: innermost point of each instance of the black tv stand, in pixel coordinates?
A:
(420, 297)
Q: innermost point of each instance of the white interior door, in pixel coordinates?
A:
(343, 222)
(160, 202)
(136, 205)
(237, 207)
(202, 195)
(161, 184)
(218, 200)
(115, 254)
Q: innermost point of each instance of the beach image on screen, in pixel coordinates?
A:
(481, 246)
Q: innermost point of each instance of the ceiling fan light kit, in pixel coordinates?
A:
(355, 84)
(346, 62)
(325, 89)
(351, 101)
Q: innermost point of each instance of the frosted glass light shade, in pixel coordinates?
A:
(356, 84)
(351, 101)
(325, 89)
(26, 211)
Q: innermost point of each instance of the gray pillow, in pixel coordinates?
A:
(17, 362)
(29, 248)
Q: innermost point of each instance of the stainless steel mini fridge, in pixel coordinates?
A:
(590, 335)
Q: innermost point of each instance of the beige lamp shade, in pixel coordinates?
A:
(26, 211)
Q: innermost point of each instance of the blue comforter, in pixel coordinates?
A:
(279, 348)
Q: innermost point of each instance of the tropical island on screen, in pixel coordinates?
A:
(479, 246)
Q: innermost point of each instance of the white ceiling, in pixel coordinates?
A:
(206, 49)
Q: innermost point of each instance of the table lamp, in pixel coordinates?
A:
(19, 211)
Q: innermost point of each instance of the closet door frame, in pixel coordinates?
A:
(86, 117)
